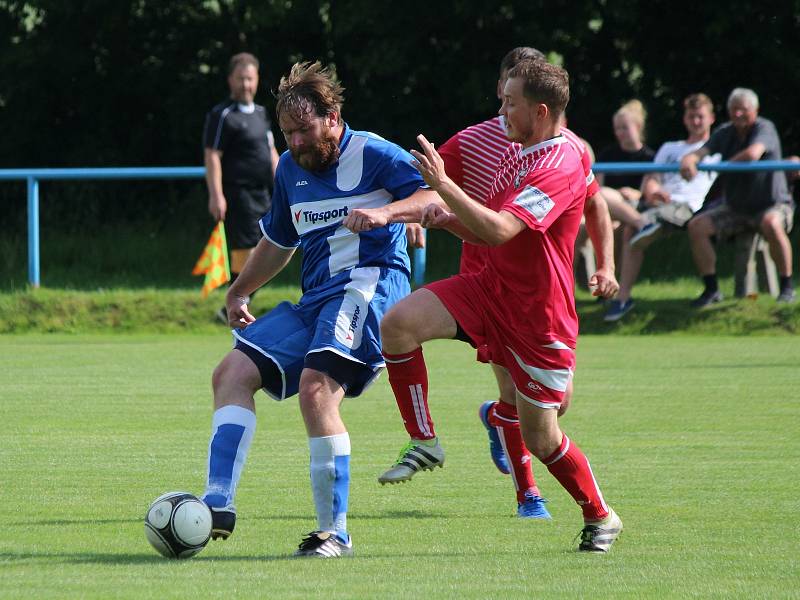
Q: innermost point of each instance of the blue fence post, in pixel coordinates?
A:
(419, 266)
(33, 231)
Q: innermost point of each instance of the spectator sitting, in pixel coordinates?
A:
(670, 200)
(622, 191)
(757, 201)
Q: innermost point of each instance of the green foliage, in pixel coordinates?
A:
(95, 427)
(128, 83)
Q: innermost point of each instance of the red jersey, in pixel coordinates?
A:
(471, 159)
(531, 275)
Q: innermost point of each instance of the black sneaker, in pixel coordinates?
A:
(598, 537)
(707, 299)
(788, 296)
(223, 520)
(646, 233)
(415, 456)
(618, 309)
(323, 544)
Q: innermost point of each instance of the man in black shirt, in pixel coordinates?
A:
(754, 201)
(240, 160)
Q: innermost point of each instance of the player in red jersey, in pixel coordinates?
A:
(471, 159)
(521, 306)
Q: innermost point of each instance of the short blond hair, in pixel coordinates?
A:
(243, 59)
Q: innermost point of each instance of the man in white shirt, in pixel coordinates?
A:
(671, 200)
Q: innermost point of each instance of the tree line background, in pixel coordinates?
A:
(128, 83)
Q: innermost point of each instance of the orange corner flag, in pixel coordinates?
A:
(213, 262)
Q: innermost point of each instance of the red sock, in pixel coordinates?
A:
(571, 468)
(504, 417)
(408, 377)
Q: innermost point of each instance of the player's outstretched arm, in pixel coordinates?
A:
(438, 216)
(598, 224)
(489, 227)
(266, 261)
(407, 210)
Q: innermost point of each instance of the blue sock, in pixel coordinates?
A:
(330, 481)
(232, 429)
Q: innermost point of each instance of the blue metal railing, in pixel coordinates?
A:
(34, 176)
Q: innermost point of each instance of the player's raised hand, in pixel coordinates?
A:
(435, 216)
(365, 219)
(429, 163)
(239, 316)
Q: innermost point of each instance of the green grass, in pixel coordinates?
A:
(695, 441)
(662, 307)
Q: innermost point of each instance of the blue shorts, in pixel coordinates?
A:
(336, 322)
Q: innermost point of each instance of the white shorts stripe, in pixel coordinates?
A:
(557, 345)
(555, 379)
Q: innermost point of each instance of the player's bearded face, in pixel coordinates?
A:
(318, 154)
(312, 143)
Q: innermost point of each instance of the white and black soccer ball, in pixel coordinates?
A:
(178, 524)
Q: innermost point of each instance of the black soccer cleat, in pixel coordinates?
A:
(414, 457)
(223, 521)
(323, 544)
(598, 537)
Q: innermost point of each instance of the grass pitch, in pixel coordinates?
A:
(694, 440)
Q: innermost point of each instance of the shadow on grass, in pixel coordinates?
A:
(51, 522)
(78, 558)
(389, 514)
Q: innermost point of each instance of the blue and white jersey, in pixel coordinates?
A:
(308, 208)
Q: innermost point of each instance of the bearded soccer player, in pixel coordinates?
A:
(327, 346)
(521, 307)
(471, 159)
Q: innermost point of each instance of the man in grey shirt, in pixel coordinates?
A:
(753, 201)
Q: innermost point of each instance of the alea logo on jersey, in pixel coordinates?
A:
(301, 182)
(354, 322)
(314, 217)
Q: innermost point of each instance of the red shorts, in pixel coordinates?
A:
(541, 369)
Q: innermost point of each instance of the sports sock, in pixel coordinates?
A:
(504, 417)
(408, 377)
(232, 429)
(710, 282)
(785, 283)
(330, 481)
(572, 470)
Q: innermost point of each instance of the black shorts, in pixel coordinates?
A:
(246, 205)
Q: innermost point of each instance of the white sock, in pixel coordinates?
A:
(232, 429)
(330, 481)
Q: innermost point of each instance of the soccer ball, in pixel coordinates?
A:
(178, 525)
